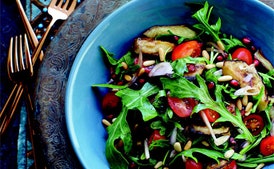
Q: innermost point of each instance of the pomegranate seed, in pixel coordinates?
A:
(191, 68)
(246, 40)
(234, 83)
(256, 62)
(225, 55)
(253, 48)
(220, 58)
(176, 38)
(211, 85)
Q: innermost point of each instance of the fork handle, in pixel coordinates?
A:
(10, 107)
(28, 27)
(42, 41)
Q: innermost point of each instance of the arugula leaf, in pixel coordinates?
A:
(109, 56)
(267, 77)
(118, 130)
(232, 42)
(112, 86)
(138, 99)
(209, 153)
(203, 16)
(180, 65)
(182, 88)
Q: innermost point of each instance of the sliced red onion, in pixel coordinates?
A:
(173, 136)
(146, 149)
(163, 68)
(247, 90)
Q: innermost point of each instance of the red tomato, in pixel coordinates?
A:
(156, 136)
(243, 54)
(254, 123)
(267, 146)
(211, 115)
(191, 164)
(181, 107)
(190, 48)
(231, 165)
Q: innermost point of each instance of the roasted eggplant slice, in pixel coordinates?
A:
(258, 55)
(151, 46)
(250, 82)
(178, 30)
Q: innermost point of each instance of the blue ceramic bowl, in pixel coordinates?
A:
(116, 33)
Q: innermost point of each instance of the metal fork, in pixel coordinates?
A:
(19, 71)
(59, 10)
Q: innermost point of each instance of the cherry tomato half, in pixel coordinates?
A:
(156, 136)
(254, 123)
(243, 54)
(267, 146)
(190, 48)
(191, 164)
(211, 115)
(181, 107)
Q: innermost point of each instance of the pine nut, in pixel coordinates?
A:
(220, 45)
(106, 122)
(219, 64)
(247, 113)
(158, 165)
(149, 62)
(161, 54)
(210, 66)
(239, 104)
(260, 166)
(205, 54)
(229, 153)
(188, 145)
(245, 100)
(225, 78)
(141, 71)
(248, 107)
(128, 78)
(205, 143)
(124, 65)
(177, 146)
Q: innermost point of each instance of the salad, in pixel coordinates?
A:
(189, 96)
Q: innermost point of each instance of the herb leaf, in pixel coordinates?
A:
(138, 99)
(118, 130)
(203, 16)
(182, 88)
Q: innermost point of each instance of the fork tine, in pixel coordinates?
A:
(15, 56)
(72, 6)
(21, 57)
(60, 3)
(10, 67)
(28, 56)
(66, 4)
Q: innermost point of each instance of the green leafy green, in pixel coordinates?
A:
(203, 16)
(138, 99)
(267, 78)
(216, 155)
(182, 88)
(118, 130)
